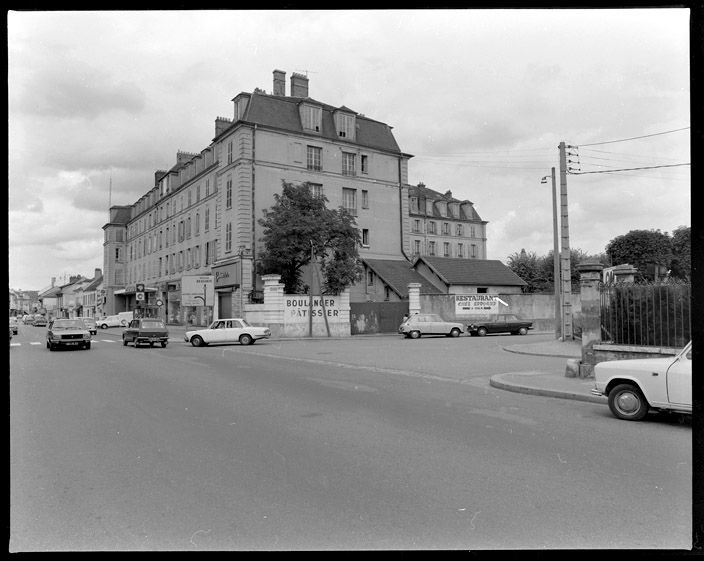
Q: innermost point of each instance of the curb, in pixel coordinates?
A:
(497, 382)
(532, 353)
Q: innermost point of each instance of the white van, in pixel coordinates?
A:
(121, 319)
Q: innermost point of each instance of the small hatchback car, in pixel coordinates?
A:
(429, 324)
(67, 333)
(147, 331)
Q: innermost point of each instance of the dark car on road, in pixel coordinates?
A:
(145, 331)
(500, 323)
(67, 333)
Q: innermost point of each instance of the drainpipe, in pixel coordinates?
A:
(400, 207)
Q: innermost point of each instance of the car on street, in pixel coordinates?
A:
(69, 333)
(499, 323)
(229, 330)
(40, 321)
(118, 320)
(145, 331)
(10, 334)
(91, 325)
(429, 324)
(28, 319)
(14, 325)
(635, 386)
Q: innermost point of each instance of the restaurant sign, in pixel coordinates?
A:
(476, 304)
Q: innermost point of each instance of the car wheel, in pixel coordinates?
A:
(124, 341)
(51, 346)
(414, 334)
(151, 344)
(627, 402)
(522, 331)
(246, 339)
(87, 346)
(48, 346)
(455, 332)
(196, 341)
(163, 344)
(103, 326)
(481, 331)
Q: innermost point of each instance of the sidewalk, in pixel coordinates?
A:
(550, 384)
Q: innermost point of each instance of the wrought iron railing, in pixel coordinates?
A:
(647, 314)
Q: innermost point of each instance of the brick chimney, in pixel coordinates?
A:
(98, 273)
(299, 85)
(221, 123)
(279, 83)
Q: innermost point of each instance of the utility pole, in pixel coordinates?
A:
(565, 255)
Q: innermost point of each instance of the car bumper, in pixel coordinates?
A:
(595, 391)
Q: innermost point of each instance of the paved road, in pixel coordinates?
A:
(376, 443)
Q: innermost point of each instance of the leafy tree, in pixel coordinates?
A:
(538, 272)
(641, 248)
(299, 223)
(681, 264)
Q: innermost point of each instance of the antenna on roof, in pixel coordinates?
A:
(109, 196)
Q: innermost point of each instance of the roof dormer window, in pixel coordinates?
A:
(345, 125)
(311, 117)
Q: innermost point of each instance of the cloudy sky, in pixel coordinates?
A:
(481, 98)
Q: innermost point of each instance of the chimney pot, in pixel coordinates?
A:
(279, 83)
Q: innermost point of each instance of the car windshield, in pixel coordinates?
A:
(68, 324)
(88, 321)
(153, 323)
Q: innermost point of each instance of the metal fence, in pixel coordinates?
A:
(647, 314)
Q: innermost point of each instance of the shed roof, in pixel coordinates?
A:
(471, 271)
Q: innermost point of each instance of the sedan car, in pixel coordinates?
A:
(145, 331)
(91, 325)
(14, 325)
(429, 324)
(67, 333)
(637, 385)
(40, 321)
(500, 323)
(231, 330)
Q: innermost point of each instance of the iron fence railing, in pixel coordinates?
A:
(648, 314)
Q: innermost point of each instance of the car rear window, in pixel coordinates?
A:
(68, 324)
(153, 324)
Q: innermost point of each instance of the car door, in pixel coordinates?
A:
(679, 379)
(234, 330)
(131, 330)
(217, 333)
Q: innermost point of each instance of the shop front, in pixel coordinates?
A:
(227, 280)
(197, 299)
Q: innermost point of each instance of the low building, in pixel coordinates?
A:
(469, 276)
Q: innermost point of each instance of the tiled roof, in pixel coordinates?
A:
(94, 284)
(472, 271)
(50, 292)
(397, 273)
(282, 113)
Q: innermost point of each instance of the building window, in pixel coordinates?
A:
(431, 248)
(474, 250)
(482, 290)
(117, 254)
(416, 248)
(206, 226)
(446, 229)
(207, 189)
(198, 193)
(471, 231)
(460, 250)
(416, 226)
(188, 228)
(365, 163)
(228, 237)
(197, 223)
(345, 125)
(349, 200)
(365, 198)
(370, 278)
(314, 158)
(228, 195)
(459, 230)
(189, 197)
(348, 163)
(446, 249)
(316, 189)
(229, 152)
(207, 253)
(365, 237)
(311, 117)
(414, 204)
(432, 229)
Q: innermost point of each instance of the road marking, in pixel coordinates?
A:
(35, 343)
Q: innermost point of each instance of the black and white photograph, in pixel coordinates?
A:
(290, 280)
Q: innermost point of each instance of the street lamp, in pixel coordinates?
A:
(555, 257)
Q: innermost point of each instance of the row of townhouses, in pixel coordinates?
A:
(198, 223)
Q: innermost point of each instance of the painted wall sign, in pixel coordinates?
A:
(227, 275)
(196, 288)
(296, 309)
(476, 304)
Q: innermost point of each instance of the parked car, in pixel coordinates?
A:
(145, 331)
(14, 325)
(10, 334)
(429, 324)
(40, 321)
(91, 325)
(67, 333)
(637, 385)
(230, 330)
(500, 323)
(28, 320)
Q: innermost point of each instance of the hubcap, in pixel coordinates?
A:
(628, 402)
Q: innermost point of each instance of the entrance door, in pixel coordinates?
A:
(224, 305)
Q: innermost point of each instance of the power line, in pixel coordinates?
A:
(629, 169)
(634, 137)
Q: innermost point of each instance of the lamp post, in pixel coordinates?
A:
(555, 257)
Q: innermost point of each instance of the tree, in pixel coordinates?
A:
(298, 224)
(538, 272)
(643, 249)
(681, 264)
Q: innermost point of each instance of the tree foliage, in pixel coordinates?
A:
(681, 264)
(641, 248)
(299, 223)
(539, 271)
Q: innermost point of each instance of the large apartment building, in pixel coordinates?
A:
(200, 218)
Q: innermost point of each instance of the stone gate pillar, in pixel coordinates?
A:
(590, 296)
(413, 298)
